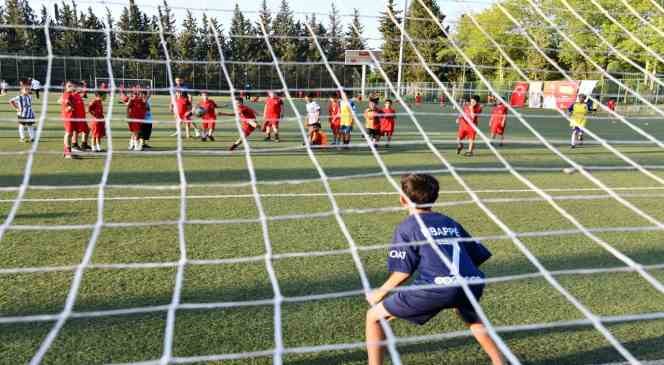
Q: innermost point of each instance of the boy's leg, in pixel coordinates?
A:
(374, 334)
(573, 141)
(459, 146)
(236, 144)
(471, 146)
(275, 131)
(488, 345)
(21, 132)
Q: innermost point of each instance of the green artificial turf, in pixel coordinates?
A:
(312, 253)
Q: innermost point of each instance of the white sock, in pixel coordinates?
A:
(98, 147)
(31, 132)
(573, 138)
(21, 133)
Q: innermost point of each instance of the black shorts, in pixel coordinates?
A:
(146, 131)
(25, 121)
(419, 306)
(315, 126)
(373, 133)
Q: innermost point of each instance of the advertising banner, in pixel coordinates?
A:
(518, 99)
(535, 94)
(587, 87)
(560, 94)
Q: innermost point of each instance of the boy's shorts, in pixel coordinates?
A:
(26, 121)
(419, 306)
(346, 129)
(373, 133)
(464, 133)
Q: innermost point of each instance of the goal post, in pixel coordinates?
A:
(362, 57)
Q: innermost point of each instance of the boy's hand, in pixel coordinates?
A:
(375, 297)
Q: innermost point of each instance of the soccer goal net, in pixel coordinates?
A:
(541, 121)
(122, 83)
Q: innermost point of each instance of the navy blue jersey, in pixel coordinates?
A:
(466, 256)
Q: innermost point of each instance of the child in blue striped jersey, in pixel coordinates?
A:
(22, 103)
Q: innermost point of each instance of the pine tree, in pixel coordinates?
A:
(284, 25)
(131, 44)
(264, 18)
(312, 53)
(354, 33)
(391, 34)
(168, 25)
(335, 48)
(14, 37)
(155, 50)
(93, 44)
(239, 46)
(110, 22)
(66, 42)
(429, 39)
(186, 46)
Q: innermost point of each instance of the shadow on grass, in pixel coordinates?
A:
(648, 348)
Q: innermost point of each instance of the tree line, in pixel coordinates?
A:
(136, 35)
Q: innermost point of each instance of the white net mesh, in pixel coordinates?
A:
(228, 80)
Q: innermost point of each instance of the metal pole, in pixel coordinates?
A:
(400, 66)
(364, 80)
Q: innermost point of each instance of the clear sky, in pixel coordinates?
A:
(369, 9)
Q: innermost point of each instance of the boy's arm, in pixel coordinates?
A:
(395, 279)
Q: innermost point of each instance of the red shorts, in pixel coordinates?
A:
(498, 129)
(247, 130)
(386, 127)
(465, 133)
(98, 129)
(335, 126)
(185, 119)
(209, 124)
(135, 127)
(76, 127)
(271, 123)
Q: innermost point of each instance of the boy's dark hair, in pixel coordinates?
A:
(421, 189)
(311, 95)
(240, 100)
(476, 97)
(388, 101)
(97, 93)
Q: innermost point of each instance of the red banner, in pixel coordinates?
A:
(518, 99)
(560, 94)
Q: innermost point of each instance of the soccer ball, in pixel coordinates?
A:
(569, 170)
(199, 111)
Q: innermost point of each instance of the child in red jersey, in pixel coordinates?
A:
(183, 113)
(387, 121)
(67, 115)
(81, 128)
(468, 122)
(209, 117)
(498, 122)
(418, 99)
(97, 125)
(334, 117)
(272, 115)
(136, 111)
(247, 118)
